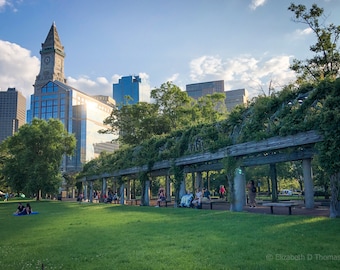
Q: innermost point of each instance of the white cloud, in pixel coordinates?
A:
(244, 72)
(17, 68)
(205, 65)
(2, 3)
(144, 89)
(257, 3)
(173, 78)
(302, 33)
(8, 3)
(100, 86)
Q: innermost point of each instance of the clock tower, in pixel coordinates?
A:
(52, 60)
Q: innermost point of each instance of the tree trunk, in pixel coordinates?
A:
(334, 209)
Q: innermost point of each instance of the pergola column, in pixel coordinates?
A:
(239, 199)
(168, 188)
(146, 201)
(199, 180)
(308, 182)
(128, 190)
(91, 191)
(85, 191)
(104, 189)
(122, 193)
(182, 190)
(273, 177)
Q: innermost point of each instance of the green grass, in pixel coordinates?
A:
(66, 235)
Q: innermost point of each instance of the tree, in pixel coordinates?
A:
(135, 123)
(173, 105)
(209, 109)
(326, 62)
(172, 109)
(329, 126)
(35, 154)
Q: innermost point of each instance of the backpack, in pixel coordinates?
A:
(253, 189)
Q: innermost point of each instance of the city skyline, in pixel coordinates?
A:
(245, 43)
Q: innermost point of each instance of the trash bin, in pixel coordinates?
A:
(59, 197)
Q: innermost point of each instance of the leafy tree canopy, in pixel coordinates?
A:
(34, 155)
(326, 62)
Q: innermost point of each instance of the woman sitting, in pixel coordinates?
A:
(26, 211)
(161, 197)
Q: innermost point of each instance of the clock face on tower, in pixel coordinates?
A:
(47, 60)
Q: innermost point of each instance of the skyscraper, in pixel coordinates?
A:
(127, 86)
(12, 112)
(80, 113)
(197, 90)
(236, 97)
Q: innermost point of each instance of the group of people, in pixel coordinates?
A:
(204, 195)
(23, 210)
(201, 195)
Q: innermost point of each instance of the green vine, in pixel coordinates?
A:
(177, 171)
(230, 164)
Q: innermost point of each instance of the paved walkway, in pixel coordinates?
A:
(318, 210)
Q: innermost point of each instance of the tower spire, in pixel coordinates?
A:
(52, 59)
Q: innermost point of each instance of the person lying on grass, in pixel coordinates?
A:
(26, 211)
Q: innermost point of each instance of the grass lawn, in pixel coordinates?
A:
(67, 235)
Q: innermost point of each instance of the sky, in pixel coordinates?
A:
(247, 43)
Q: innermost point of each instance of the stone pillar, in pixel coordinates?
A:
(199, 181)
(167, 188)
(146, 201)
(91, 191)
(182, 189)
(121, 194)
(104, 189)
(85, 192)
(308, 183)
(208, 181)
(273, 177)
(114, 186)
(128, 190)
(239, 199)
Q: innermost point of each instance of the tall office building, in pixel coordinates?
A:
(127, 86)
(197, 90)
(80, 113)
(236, 97)
(12, 112)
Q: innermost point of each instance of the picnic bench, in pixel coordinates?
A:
(285, 204)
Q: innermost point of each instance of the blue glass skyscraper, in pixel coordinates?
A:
(127, 86)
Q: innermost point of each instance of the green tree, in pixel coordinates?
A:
(209, 109)
(326, 62)
(173, 105)
(329, 126)
(35, 154)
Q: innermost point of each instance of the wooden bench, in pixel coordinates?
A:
(213, 201)
(286, 204)
(132, 201)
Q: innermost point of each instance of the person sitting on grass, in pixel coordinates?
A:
(19, 209)
(26, 211)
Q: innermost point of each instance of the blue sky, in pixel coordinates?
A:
(247, 43)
